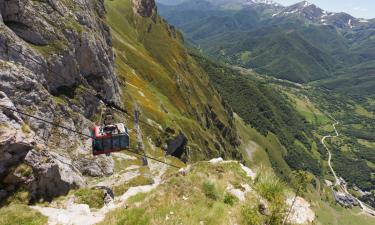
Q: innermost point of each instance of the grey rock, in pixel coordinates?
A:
(106, 164)
(79, 54)
(54, 175)
(145, 8)
(58, 85)
(100, 166)
(89, 167)
(14, 144)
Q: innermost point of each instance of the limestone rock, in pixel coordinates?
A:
(144, 8)
(54, 175)
(14, 143)
(100, 166)
(106, 164)
(88, 167)
(72, 33)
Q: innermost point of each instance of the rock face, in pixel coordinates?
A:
(54, 175)
(177, 146)
(78, 47)
(98, 167)
(43, 174)
(52, 68)
(14, 144)
(145, 8)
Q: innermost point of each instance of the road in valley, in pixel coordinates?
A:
(340, 182)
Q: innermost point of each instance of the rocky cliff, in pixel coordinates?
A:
(55, 56)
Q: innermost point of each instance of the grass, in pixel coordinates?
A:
(17, 214)
(269, 151)
(210, 191)
(363, 112)
(138, 181)
(230, 199)
(270, 187)
(197, 196)
(149, 60)
(367, 143)
(307, 109)
(135, 216)
(92, 197)
(251, 216)
(137, 198)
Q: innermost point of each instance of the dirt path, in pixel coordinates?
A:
(80, 214)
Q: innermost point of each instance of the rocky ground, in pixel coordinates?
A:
(69, 212)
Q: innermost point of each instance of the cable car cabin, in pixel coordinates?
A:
(110, 138)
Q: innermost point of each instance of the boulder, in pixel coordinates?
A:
(88, 167)
(97, 167)
(54, 175)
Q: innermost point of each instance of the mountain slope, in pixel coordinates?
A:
(300, 43)
(268, 111)
(54, 69)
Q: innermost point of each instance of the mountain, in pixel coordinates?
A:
(55, 68)
(62, 64)
(301, 42)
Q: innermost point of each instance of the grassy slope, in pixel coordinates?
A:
(16, 214)
(200, 195)
(163, 80)
(267, 110)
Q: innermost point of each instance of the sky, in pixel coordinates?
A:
(356, 8)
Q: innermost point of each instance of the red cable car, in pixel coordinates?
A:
(110, 138)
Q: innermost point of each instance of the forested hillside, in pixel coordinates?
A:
(300, 43)
(267, 110)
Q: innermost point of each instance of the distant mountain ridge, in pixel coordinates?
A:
(301, 42)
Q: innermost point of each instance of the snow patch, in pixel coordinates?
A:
(307, 4)
(350, 23)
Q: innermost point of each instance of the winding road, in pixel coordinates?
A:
(339, 182)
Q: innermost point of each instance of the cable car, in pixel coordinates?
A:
(110, 138)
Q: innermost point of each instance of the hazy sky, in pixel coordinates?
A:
(357, 8)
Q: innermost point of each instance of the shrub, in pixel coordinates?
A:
(251, 216)
(92, 197)
(270, 187)
(21, 196)
(229, 199)
(210, 191)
